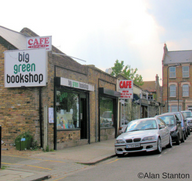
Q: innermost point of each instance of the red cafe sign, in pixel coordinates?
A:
(39, 42)
(126, 89)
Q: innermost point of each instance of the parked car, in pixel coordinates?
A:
(122, 128)
(147, 134)
(188, 116)
(174, 125)
(183, 123)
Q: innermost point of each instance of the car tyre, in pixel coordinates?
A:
(189, 132)
(178, 141)
(159, 146)
(185, 136)
(182, 139)
(170, 142)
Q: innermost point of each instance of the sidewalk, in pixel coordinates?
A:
(55, 165)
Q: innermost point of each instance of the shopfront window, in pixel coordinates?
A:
(106, 112)
(67, 107)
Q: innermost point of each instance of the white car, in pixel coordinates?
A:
(148, 134)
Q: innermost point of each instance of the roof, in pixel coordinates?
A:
(149, 85)
(184, 56)
(15, 38)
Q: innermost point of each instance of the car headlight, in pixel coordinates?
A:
(174, 128)
(120, 141)
(148, 138)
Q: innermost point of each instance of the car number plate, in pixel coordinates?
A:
(133, 145)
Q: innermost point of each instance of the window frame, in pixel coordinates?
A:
(185, 72)
(172, 73)
(172, 93)
(185, 91)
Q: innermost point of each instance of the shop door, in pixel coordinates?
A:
(83, 118)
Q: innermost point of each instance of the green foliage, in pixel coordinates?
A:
(4, 167)
(47, 149)
(127, 71)
(26, 135)
(34, 145)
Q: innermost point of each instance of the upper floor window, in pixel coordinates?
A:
(150, 97)
(185, 90)
(172, 72)
(172, 90)
(185, 71)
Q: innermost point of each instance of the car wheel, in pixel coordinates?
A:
(177, 141)
(182, 139)
(185, 136)
(170, 142)
(159, 146)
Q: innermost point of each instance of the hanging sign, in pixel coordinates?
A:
(126, 89)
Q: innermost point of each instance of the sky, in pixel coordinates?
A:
(103, 31)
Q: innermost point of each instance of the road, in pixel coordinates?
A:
(172, 164)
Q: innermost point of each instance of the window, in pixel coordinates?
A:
(67, 106)
(185, 90)
(174, 108)
(185, 71)
(161, 122)
(150, 97)
(106, 112)
(172, 72)
(172, 90)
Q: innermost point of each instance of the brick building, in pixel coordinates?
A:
(177, 78)
(76, 105)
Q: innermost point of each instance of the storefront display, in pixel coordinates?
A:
(67, 107)
(106, 112)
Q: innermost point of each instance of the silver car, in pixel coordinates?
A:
(148, 134)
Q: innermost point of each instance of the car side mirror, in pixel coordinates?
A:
(178, 122)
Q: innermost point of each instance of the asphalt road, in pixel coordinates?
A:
(172, 164)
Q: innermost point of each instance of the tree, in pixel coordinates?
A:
(127, 71)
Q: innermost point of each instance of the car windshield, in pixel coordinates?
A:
(187, 114)
(138, 125)
(168, 119)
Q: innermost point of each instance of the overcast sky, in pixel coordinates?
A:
(102, 31)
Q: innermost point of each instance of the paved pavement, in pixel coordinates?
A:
(55, 165)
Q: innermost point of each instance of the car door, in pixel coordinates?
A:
(164, 131)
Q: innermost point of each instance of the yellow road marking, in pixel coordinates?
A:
(35, 158)
(26, 165)
(39, 167)
(113, 161)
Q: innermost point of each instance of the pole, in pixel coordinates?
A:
(167, 89)
(178, 97)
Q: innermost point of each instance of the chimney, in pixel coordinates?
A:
(165, 48)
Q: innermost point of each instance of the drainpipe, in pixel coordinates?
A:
(40, 117)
